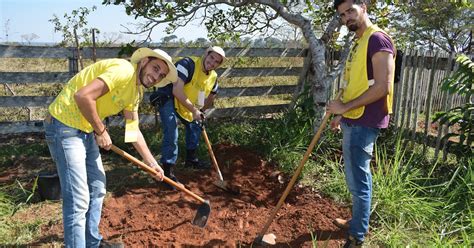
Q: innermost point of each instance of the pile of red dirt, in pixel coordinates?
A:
(148, 215)
(153, 216)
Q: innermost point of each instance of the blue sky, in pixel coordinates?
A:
(25, 17)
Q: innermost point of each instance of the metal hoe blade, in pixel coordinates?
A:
(267, 239)
(202, 214)
(227, 187)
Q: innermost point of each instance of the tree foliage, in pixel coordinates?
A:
(77, 20)
(434, 24)
(229, 20)
(461, 82)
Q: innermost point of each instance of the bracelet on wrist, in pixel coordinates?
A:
(153, 164)
(101, 132)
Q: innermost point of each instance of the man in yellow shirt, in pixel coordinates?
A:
(74, 131)
(194, 92)
(364, 110)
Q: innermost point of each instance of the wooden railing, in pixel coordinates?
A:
(41, 101)
(417, 96)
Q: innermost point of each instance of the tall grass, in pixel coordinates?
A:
(402, 207)
(14, 197)
(457, 219)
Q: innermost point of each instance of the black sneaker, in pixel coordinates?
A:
(351, 242)
(192, 161)
(197, 164)
(168, 171)
(111, 244)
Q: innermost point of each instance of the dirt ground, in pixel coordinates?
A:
(150, 216)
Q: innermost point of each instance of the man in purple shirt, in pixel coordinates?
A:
(363, 110)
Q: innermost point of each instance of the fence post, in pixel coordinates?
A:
(416, 92)
(398, 91)
(449, 105)
(442, 128)
(410, 88)
(429, 100)
(94, 49)
(404, 88)
(73, 64)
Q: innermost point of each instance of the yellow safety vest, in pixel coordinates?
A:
(356, 73)
(201, 82)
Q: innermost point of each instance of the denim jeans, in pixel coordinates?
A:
(82, 179)
(358, 145)
(169, 146)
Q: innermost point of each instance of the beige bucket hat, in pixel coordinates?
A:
(217, 50)
(160, 54)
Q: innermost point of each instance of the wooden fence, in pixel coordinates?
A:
(30, 78)
(417, 95)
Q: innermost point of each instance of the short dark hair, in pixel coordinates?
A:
(339, 2)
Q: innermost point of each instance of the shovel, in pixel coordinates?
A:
(220, 183)
(263, 238)
(203, 211)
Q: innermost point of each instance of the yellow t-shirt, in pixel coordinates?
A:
(200, 82)
(124, 93)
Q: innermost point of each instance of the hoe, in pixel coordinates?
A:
(203, 211)
(263, 238)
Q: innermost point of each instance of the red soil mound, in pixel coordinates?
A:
(153, 216)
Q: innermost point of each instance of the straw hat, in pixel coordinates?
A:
(217, 50)
(157, 53)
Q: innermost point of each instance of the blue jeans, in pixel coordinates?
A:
(358, 145)
(169, 146)
(82, 180)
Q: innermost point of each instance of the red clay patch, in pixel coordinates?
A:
(151, 216)
(156, 217)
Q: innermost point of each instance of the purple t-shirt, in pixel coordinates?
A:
(375, 114)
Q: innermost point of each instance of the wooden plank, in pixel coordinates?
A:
(256, 91)
(442, 129)
(63, 77)
(418, 93)
(34, 77)
(404, 95)
(255, 111)
(399, 89)
(25, 101)
(258, 71)
(11, 51)
(251, 111)
(449, 105)
(21, 127)
(411, 86)
(43, 101)
(429, 101)
(199, 51)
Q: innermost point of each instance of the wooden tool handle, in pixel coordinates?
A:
(154, 173)
(315, 139)
(211, 153)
